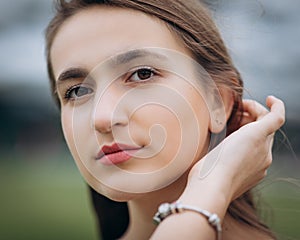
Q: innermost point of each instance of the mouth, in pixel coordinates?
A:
(116, 153)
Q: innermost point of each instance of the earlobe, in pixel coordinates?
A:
(218, 121)
(219, 116)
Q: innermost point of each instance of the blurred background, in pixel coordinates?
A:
(43, 195)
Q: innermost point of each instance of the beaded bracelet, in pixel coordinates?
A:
(166, 209)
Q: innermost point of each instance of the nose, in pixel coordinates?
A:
(109, 112)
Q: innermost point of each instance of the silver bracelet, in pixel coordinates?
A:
(166, 209)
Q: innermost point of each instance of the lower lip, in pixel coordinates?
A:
(117, 158)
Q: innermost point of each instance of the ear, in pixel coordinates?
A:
(221, 114)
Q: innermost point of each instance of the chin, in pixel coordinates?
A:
(116, 195)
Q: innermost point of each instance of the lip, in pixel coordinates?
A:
(116, 153)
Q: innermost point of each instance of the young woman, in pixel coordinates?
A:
(147, 90)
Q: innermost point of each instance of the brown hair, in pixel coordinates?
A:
(190, 20)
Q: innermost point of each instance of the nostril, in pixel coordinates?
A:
(104, 123)
(108, 112)
(104, 129)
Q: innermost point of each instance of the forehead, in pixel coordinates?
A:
(97, 33)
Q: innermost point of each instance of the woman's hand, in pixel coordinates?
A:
(245, 155)
(243, 159)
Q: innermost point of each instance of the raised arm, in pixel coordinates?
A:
(243, 160)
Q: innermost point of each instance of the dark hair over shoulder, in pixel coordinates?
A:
(113, 217)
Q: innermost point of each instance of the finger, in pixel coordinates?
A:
(246, 118)
(254, 109)
(276, 105)
(275, 118)
(271, 141)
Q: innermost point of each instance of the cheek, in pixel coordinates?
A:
(76, 125)
(175, 134)
(197, 126)
(74, 136)
(66, 122)
(161, 128)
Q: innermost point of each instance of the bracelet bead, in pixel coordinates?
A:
(166, 209)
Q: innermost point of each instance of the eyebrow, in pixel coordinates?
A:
(134, 54)
(76, 73)
(72, 73)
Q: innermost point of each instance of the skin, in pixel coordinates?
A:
(79, 45)
(87, 39)
(236, 172)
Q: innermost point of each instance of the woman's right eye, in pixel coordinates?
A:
(77, 91)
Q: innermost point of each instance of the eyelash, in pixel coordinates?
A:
(153, 73)
(68, 94)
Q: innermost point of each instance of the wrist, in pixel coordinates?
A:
(211, 194)
(167, 209)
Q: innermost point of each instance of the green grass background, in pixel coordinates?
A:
(49, 200)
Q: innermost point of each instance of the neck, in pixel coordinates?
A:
(142, 209)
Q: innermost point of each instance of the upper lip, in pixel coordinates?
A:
(115, 147)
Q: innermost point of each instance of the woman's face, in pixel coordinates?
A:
(132, 114)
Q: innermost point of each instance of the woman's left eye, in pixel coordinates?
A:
(142, 75)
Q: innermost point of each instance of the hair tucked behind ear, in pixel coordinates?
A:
(194, 26)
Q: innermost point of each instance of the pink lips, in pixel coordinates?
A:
(116, 153)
